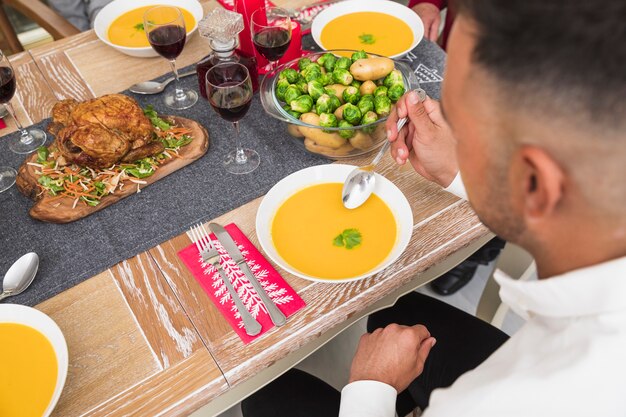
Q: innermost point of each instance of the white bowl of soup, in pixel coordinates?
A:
(381, 27)
(120, 24)
(303, 227)
(35, 361)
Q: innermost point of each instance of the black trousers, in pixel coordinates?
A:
(463, 342)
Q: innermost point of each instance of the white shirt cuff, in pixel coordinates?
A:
(368, 399)
(456, 187)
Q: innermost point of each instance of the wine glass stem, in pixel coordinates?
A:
(25, 138)
(180, 94)
(240, 155)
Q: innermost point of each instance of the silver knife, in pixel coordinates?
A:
(278, 318)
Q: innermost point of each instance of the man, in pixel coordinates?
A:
(534, 96)
(80, 13)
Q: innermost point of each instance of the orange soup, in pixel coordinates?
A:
(127, 30)
(28, 373)
(375, 32)
(315, 234)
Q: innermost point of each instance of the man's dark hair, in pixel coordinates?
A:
(570, 53)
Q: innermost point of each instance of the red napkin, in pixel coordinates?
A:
(2, 124)
(209, 278)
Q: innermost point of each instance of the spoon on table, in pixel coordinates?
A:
(361, 181)
(20, 275)
(155, 87)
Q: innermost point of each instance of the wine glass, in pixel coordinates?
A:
(165, 28)
(229, 89)
(271, 32)
(30, 139)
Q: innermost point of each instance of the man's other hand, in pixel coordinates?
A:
(394, 355)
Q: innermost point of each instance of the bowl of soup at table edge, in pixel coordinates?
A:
(301, 217)
(34, 362)
(380, 27)
(120, 24)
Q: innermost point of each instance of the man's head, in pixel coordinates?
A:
(535, 92)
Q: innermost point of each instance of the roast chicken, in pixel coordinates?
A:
(101, 132)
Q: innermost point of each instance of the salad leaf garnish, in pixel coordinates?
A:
(349, 238)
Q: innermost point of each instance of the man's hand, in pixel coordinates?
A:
(426, 141)
(394, 355)
(430, 15)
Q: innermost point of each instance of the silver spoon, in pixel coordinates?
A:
(154, 87)
(20, 275)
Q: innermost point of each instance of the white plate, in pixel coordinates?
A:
(382, 6)
(289, 185)
(14, 313)
(116, 8)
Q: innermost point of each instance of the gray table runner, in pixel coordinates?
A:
(203, 190)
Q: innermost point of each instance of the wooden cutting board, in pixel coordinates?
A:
(61, 211)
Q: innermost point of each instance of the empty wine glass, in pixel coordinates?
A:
(229, 89)
(165, 28)
(30, 139)
(271, 32)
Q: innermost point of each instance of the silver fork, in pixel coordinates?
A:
(210, 255)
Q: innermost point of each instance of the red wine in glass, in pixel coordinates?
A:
(7, 84)
(229, 89)
(168, 41)
(272, 42)
(231, 103)
(165, 28)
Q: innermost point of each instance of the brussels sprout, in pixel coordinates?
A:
(346, 133)
(395, 92)
(369, 117)
(393, 78)
(351, 114)
(351, 95)
(328, 61)
(328, 120)
(313, 74)
(382, 105)
(326, 79)
(359, 55)
(323, 105)
(343, 63)
(292, 113)
(335, 103)
(303, 63)
(315, 89)
(290, 75)
(380, 91)
(356, 83)
(281, 87)
(342, 76)
(302, 104)
(291, 93)
(302, 86)
(366, 103)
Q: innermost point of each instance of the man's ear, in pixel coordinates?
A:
(539, 180)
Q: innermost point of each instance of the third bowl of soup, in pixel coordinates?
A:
(303, 226)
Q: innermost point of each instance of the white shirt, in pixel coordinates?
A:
(568, 359)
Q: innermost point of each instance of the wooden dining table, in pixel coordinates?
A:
(143, 338)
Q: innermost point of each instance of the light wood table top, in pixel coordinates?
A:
(143, 338)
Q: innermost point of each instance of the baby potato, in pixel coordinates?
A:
(367, 87)
(343, 150)
(379, 133)
(339, 112)
(328, 140)
(337, 90)
(294, 131)
(365, 69)
(361, 140)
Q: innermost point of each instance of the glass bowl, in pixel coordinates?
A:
(369, 137)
